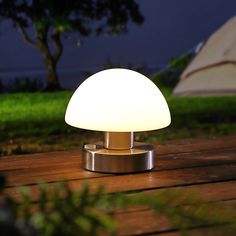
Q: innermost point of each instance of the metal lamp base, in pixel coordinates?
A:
(139, 158)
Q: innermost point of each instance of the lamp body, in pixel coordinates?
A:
(118, 102)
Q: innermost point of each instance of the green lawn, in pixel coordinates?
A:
(35, 121)
(33, 113)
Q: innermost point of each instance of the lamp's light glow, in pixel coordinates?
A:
(118, 100)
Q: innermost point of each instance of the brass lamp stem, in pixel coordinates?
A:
(118, 140)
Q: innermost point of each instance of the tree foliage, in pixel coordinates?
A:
(50, 19)
(170, 75)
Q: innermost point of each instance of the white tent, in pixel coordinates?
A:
(213, 70)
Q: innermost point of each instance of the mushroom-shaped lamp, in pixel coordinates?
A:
(118, 102)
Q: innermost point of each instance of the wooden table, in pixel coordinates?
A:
(206, 165)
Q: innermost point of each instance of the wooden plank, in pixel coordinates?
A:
(210, 192)
(203, 231)
(152, 180)
(61, 167)
(195, 159)
(162, 148)
(145, 221)
(148, 222)
(64, 159)
(192, 145)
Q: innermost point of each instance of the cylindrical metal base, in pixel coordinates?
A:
(138, 159)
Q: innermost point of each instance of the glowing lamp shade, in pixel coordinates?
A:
(118, 102)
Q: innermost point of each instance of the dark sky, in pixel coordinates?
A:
(171, 28)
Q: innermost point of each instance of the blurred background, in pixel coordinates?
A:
(161, 45)
(170, 28)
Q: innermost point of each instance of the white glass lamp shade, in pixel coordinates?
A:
(118, 100)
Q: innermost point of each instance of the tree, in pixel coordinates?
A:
(50, 19)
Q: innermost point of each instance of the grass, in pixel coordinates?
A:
(33, 122)
(33, 113)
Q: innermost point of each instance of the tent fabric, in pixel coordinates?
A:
(213, 70)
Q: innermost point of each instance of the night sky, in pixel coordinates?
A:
(171, 27)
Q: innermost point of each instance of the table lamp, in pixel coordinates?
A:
(118, 102)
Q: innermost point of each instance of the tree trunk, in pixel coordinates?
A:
(52, 82)
(50, 60)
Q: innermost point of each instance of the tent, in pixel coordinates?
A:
(213, 70)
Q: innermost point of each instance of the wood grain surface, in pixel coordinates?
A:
(205, 165)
